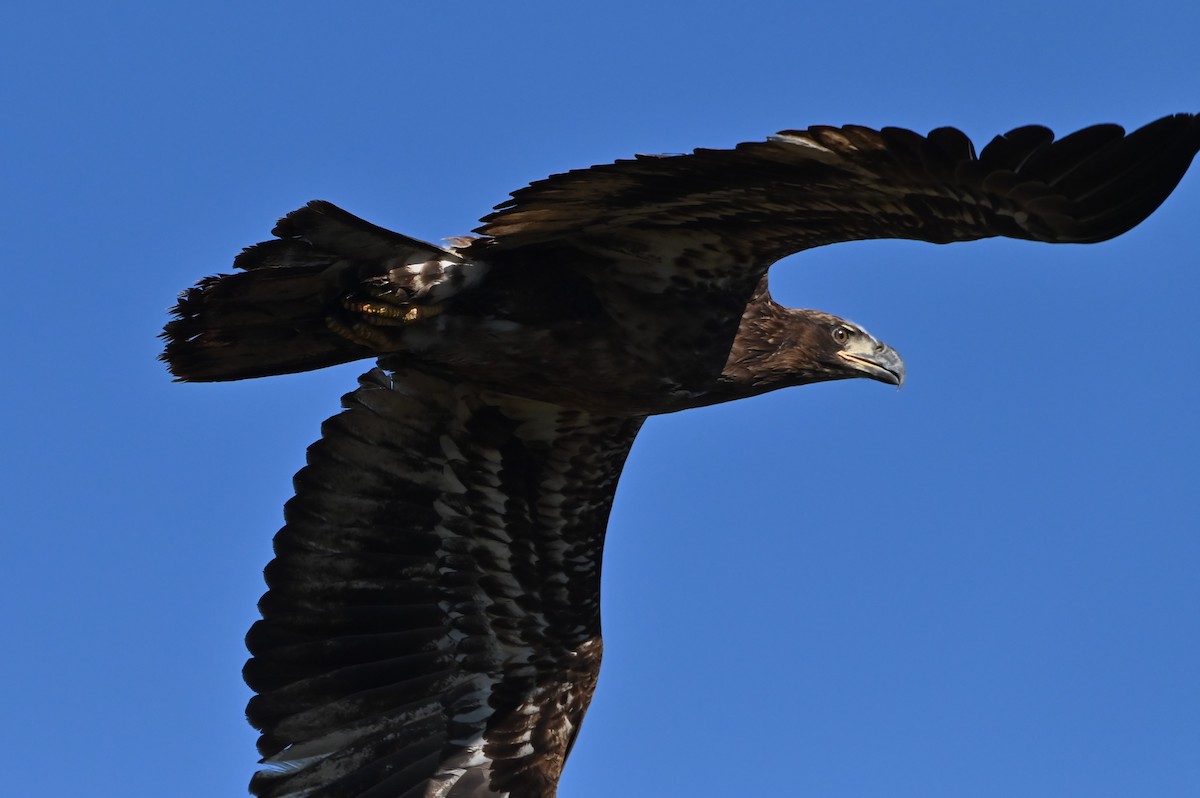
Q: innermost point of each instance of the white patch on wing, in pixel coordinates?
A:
(298, 793)
(436, 280)
(470, 768)
(797, 139)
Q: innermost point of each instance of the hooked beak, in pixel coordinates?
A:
(874, 359)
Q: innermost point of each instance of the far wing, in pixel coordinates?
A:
(432, 626)
(706, 219)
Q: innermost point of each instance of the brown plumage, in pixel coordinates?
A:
(432, 625)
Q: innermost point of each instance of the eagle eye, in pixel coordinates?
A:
(841, 334)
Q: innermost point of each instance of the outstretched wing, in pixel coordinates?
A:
(432, 625)
(707, 219)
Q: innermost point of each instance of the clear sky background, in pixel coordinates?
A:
(983, 585)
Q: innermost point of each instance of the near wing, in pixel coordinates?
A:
(703, 216)
(432, 625)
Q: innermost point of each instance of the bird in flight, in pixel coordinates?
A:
(431, 627)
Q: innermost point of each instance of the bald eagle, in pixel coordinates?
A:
(432, 621)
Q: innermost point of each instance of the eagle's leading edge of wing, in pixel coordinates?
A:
(432, 624)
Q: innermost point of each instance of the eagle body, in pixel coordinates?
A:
(557, 334)
(431, 627)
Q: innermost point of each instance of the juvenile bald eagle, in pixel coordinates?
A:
(432, 624)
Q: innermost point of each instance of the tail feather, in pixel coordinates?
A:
(272, 317)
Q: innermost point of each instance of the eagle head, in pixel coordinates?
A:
(778, 347)
(851, 351)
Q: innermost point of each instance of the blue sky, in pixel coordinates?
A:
(982, 585)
